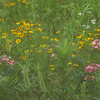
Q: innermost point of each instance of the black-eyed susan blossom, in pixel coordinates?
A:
(79, 36)
(6, 46)
(27, 27)
(18, 40)
(45, 37)
(96, 35)
(73, 43)
(10, 4)
(57, 31)
(1, 19)
(39, 29)
(88, 61)
(36, 29)
(17, 23)
(30, 31)
(12, 30)
(24, 1)
(24, 57)
(26, 51)
(56, 39)
(44, 45)
(76, 64)
(98, 29)
(70, 63)
(4, 36)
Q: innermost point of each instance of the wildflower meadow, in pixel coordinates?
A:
(49, 50)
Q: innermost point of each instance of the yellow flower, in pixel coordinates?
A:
(57, 31)
(43, 45)
(36, 29)
(27, 27)
(56, 39)
(78, 36)
(39, 29)
(52, 68)
(31, 50)
(18, 23)
(23, 1)
(90, 33)
(52, 65)
(73, 64)
(12, 3)
(8, 5)
(39, 51)
(1, 19)
(73, 43)
(80, 47)
(76, 64)
(18, 40)
(24, 57)
(4, 36)
(45, 37)
(91, 38)
(6, 46)
(12, 30)
(30, 31)
(98, 30)
(87, 39)
(69, 63)
(27, 50)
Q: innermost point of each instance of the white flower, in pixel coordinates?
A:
(87, 27)
(83, 25)
(93, 21)
(80, 14)
(9, 57)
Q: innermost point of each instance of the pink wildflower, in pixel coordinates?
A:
(96, 40)
(11, 62)
(85, 78)
(96, 47)
(90, 70)
(98, 65)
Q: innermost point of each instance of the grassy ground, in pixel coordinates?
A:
(49, 45)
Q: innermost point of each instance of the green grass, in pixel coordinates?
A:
(45, 71)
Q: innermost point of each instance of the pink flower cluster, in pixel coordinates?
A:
(4, 58)
(91, 69)
(95, 44)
